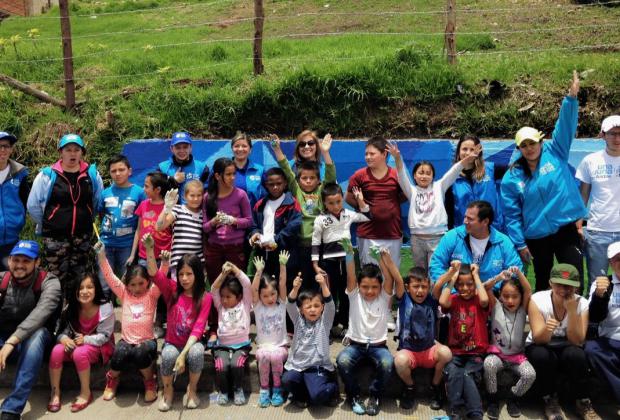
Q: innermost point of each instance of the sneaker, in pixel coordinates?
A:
(222, 399)
(436, 397)
(455, 415)
(493, 410)
(357, 405)
(585, 410)
(239, 397)
(263, 398)
(300, 403)
(513, 408)
(407, 398)
(164, 405)
(553, 411)
(372, 406)
(276, 397)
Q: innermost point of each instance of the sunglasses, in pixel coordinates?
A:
(306, 144)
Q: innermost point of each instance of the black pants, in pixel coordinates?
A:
(565, 245)
(548, 361)
(230, 362)
(336, 269)
(141, 355)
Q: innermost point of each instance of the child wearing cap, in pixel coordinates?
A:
(540, 196)
(604, 352)
(14, 189)
(558, 325)
(182, 165)
(63, 202)
(599, 173)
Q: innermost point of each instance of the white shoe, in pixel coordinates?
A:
(191, 403)
(164, 405)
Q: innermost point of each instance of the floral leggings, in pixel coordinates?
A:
(525, 371)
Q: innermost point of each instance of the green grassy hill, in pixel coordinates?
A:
(147, 68)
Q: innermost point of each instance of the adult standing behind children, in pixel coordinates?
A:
(182, 165)
(541, 200)
(479, 180)
(379, 184)
(29, 297)
(599, 174)
(604, 351)
(248, 174)
(14, 188)
(307, 150)
(558, 325)
(118, 222)
(63, 203)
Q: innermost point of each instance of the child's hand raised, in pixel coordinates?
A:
(357, 193)
(475, 270)
(148, 241)
(283, 257)
(375, 252)
(347, 246)
(326, 143)
(321, 280)
(259, 264)
(274, 141)
(165, 256)
(171, 198)
(392, 148)
(228, 267)
(297, 281)
(99, 248)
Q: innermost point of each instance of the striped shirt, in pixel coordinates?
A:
(186, 233)
(310, 347)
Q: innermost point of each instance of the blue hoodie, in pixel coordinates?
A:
(500, 254)
(538, 206)
(12, 206)
(194, 169)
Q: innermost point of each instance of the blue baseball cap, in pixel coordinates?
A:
(71, 139)
(29, 249)
(180, 137)
(8, 136)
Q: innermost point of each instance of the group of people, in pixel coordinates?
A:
(200, 248)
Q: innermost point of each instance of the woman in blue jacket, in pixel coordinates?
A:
(540, 195)
(248, 175)
(479, 180)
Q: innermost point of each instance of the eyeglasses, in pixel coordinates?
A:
(5, 146)
(307, 144)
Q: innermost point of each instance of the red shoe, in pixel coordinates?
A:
(110, 387)
(75, 407)
(150, 389)
(55, 407)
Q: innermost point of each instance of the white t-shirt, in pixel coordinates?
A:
(610, 326)
(269, 214)
(602, 172)
(270, 325)
(4, 173)
(368, 319)
(478, 246)
(544, 305)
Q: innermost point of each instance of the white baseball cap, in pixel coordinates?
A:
(610, 122)
(613, 250)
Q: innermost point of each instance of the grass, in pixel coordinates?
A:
(188, 66)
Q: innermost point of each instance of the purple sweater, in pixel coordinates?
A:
(236, 205)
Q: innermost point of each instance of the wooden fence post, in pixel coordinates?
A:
(67, 54)
(450, 33)
(259, 19)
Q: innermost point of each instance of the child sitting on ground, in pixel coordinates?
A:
(370, 296)
(309, 375)
(507, 349)
(232, 297)
(138, 298)
(468, 337)
(417, 346)
(269, 299)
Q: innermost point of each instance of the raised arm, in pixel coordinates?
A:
(282, 259)
(445, 278)
(149, 246)
(525, 284)
(326, 145)
(274, 141)
(259, 265)
(117, 286)
(483, 297)
(566, 125)
(390, 271)
(350, 262)
(403, 176)
(166, 217)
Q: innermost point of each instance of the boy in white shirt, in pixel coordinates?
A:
(369, 311)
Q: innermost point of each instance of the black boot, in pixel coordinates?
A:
(407, 398)
(493, 407)
(436, 397)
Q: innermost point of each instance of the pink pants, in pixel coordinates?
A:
(273, 358)
(83, 356)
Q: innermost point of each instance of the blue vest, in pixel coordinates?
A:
(417, 323)
(12, 211)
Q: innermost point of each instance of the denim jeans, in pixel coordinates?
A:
(596, 252)
(462, 375)
(349, 359)
(29, 355)
(117, 257)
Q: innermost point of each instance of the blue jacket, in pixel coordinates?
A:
(193, 170)
(499, 255)
(538, 206)
(43, 186)
(253, 182)
(13, 194)
(486, 189)
(287, 223)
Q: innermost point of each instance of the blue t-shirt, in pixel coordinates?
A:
(417, 323)
(119, 223)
